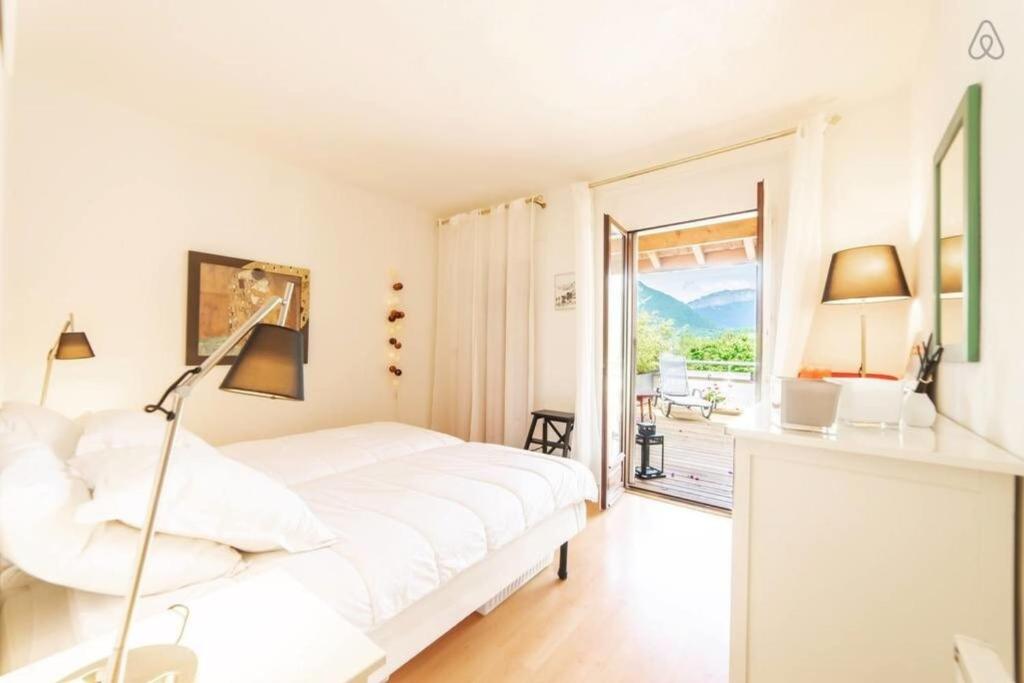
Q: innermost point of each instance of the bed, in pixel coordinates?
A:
(430, 528)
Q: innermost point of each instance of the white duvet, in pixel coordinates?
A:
(411, 509)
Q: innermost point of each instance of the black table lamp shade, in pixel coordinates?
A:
(865, 275)
(72, 346)
(269, 364)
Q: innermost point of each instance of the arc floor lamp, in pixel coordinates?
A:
(268, 365)
(70, 345)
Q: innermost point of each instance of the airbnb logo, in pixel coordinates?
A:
(986, 42)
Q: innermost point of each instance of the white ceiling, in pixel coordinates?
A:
(453, 104)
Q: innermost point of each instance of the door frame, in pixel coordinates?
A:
(630, 273)
(608, 498)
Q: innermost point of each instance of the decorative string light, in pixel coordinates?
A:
(395, 315)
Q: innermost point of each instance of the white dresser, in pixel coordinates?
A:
(858, 556)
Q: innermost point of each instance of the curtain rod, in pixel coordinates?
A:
(832, 120)
(537, 199)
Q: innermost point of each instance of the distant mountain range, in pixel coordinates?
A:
(731, 309)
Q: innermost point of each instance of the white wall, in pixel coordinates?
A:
(3, 205)
(987, 397)
(865, 200)
(103, 205)
(554, 382)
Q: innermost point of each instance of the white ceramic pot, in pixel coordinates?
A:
(918, 410)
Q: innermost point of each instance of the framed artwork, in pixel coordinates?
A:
(565, 291)
(223, 292)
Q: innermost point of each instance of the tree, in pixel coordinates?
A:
(654, 336)
(726, 346)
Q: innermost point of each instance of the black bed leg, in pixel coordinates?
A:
(563, 561)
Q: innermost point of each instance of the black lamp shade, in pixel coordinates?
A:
(269, 364)
(865, 275)
(72, 346)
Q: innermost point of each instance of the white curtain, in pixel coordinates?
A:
(587, 435)
(793, 279)
(483, 363)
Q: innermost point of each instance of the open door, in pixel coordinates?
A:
(618, 355)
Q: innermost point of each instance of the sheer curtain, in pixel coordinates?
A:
(587, 433)
(794, 281)
(483, 364)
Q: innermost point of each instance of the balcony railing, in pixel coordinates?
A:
(732, 370)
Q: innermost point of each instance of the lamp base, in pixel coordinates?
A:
(148, 664)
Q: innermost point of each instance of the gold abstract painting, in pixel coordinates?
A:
(224, 292)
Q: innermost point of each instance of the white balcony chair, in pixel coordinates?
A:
(675, 388)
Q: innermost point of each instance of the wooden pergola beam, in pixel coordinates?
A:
(698, 254)
(725, 257)
(687, 237)
(748, 246)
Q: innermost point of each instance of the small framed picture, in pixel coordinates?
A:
(565, 291)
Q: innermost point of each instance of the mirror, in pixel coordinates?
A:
(957, 231)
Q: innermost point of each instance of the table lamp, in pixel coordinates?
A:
(70, 345)
(862, 275)
(268, 365)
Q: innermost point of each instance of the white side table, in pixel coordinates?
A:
(265, 629)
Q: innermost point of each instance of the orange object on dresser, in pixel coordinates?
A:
(821, 373)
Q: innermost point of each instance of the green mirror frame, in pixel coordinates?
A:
(968, 119)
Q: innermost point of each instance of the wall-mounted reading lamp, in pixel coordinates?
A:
(70, 345)
(269, 365)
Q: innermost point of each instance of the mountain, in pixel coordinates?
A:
(668, 307)
(730, 309)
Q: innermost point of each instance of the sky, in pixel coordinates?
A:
(693, 283)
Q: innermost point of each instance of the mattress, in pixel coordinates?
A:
(411, 508)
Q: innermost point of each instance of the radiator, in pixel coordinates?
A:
(508, 590)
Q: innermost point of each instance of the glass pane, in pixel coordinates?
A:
(616, 281)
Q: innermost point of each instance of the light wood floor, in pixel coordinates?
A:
(647, 600)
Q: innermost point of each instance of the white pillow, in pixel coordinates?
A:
(38, 533)
(41, 424)
(108, 429)
(205, 495)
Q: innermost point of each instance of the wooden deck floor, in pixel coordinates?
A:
(698, 461)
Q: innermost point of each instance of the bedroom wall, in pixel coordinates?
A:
(554, 381)
(3, 204)
(103, 205)
(987, 397)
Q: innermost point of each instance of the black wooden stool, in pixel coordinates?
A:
(550, 419)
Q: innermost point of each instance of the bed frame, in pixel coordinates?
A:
(415, 628)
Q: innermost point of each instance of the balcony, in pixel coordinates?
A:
(698, 452)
